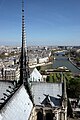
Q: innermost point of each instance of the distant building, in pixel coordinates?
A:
(35, 76)
(43, 60)
(10, 73)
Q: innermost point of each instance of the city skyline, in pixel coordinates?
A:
(48, 22)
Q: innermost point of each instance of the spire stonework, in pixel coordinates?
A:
(23, 66)
(64, 99)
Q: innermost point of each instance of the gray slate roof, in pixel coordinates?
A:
(41, 90)
(18, 107)
(5, 88)
(51, 101)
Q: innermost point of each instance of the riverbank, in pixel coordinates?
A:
(73, 63)
(40, 64)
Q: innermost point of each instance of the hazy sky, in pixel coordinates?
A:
(48, 22)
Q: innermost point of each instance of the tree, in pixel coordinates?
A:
(73, 88)
(51, 77)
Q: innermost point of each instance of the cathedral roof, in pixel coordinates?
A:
(43, 92)
(51, 101)
(18, 107)
(6, 88)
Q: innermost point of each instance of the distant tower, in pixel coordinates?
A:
(23, 66)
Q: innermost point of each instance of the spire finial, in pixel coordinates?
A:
(22, 5)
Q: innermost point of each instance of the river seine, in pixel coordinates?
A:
(63, 61)
(60, 61)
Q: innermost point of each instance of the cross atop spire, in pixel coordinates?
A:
(22, 5)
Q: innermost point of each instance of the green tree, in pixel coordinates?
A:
(73, 88)
(51, 77)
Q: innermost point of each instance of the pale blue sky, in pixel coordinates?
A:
(48, 22)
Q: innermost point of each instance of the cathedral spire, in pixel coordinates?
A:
(23, 66)
(64, 98)
(23, 50)
(64, 88)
